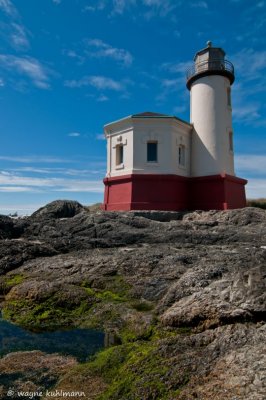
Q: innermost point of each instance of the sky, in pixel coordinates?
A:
(68, 67)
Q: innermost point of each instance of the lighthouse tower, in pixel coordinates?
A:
(212, 152)
(160, 162)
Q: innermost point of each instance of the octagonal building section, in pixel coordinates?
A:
(148, 162)
(148, 143)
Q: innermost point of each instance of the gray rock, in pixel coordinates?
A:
(198, 272)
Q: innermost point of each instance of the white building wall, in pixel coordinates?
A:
(181, 136)
(212, 119)
(119, 133)
(156, 130)
(134, 134)
(168, 133)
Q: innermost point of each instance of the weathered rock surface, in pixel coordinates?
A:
(31, 372)
(199, 275)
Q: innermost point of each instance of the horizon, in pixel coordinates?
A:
(69, 68)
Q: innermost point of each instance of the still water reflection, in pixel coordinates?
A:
(80, 343)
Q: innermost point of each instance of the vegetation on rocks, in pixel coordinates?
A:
(181, 296)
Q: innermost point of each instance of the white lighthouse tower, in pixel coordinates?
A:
(160, 162)
(209, 82)
(212, 152)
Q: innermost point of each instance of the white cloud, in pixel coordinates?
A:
(19, 37)
(251, 163)
(57, 1)
(73, 54)
(8, 7)
(159, 8)
(27, 66)
(97, 6)
(177, 68)
(15, 189)
(102, 98)
(247, 105)
(246, 113)
(2, 83)
(28, 183)
(173, 84)
(60, 171)
(199, 4)
(74, 134)
(256, 63)
(100, 137)
(119, 6)
(256, 188)
(34, 159)
(105, 50)
(98, 82)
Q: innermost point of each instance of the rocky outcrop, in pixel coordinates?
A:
(183, 292)
(58, 209)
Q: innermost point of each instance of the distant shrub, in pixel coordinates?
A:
(259, 203)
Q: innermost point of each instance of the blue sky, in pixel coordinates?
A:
(67, 67)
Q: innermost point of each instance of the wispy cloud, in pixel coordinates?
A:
(98, 82)
(247, 107)
(177, 68)
(2, 82)
(12, 183)
(74, 55)
(102, 98)
(97, 6)
(199, 4)
(152, 8)
(256, 63)
(61, 171)
(74, 134)
(57, 1)
(28, 67)
(253, 168)
(100, 49)
(14, 31)
(251, 163)
(256, 188)
(19, 37)
(8, 7)
(34, 159)
(100, 137)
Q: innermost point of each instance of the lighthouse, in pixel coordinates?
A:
(160, 162)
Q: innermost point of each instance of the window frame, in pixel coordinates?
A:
(119, 154)
(182, 155)
(231, 141)
(152, 142)
(229, 99)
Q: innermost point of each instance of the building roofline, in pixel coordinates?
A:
(139, 116)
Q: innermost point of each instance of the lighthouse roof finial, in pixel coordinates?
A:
(209, 43)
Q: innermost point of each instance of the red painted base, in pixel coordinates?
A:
(173, 193)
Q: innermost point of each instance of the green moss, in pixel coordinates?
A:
(118, 285)
(109, 296)
(89, 291)
(13, 280)
(45, 315)
(132, 370)
(142, 306)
